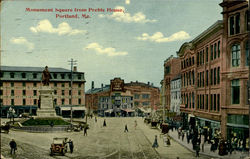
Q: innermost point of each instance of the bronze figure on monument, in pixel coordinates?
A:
(46, 76)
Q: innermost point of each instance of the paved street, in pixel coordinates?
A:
(109, 142)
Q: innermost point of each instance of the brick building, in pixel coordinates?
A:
(121, 98)
(214, 73)
(171, 70)
(20, 89)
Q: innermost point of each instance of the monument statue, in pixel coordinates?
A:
(46, 76)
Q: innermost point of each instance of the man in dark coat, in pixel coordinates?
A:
(71, 146)
(126, 128)
(85, 129)
(104, 123)
(13, 146)
(197, 149)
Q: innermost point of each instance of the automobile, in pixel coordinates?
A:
(59, 146)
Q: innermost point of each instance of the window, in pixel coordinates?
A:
(207, 78)
(218, 102)
(235, 93)
(63, 85)
(193, 100)
(1, 74)
(235, 55)
(145, 96)
(35, 101)
(193, 60)
(211, 52)
(167, 69)
(211, 102)
(12, 102)
(55, 76)
(247, 20)
(206, 102)
(12, 84)
(193, 76)
(79, 101)
(247, 54)
(203, 79)
(70, 101)
(23, 75)
(198, 101)
(198, 79)
(218, 49)
(218, 75)
(55, 84)
(137, 96)
(79, 76)
(187, 62)
(79, 85)
(24, 92)
(190, 61)
(34, 84)
(62, 76)
(206, 54)
(198, 59)
(35, 92)
(69, 75)
(1, 92)
(12, 92)
(34, 75)
(211, 77)
(79, 92)
(70, 92)
(24, 84)
(63, 101)
(214, 102)
(12, 75)
(63, 92)
(234, 22)
(55, 92)
(215, 76)
(24, 101)
(55, 101)
(215, 47)
(189, 77)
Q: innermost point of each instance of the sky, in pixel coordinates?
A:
(131, 43)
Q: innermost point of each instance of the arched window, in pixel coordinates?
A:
(247, 53)
(235, 56)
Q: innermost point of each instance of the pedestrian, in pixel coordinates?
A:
(71, 145)
(135, 124)
(95, 119)
(104, 123)
(13, 146)
(85, 129)
(197, 149)
(168, 141)
(182, 135)
(155, 144)
(126, 128)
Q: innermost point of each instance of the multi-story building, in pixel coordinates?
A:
(121, 98)
(175, 95)
(20, 87)
(171, 70)
(214, 74)
(235, 69)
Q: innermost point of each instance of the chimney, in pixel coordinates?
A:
(152, 84)
(136, 81)
(75, 69)
(148, 83)
(102, 86)
(92, 85)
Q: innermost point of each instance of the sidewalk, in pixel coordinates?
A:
(207, 152)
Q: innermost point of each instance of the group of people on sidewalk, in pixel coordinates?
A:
(199, 137)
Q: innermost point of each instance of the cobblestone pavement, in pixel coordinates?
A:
(109, 142)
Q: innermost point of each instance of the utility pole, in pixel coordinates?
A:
(163, 99)
(72, 63)
(248, 89)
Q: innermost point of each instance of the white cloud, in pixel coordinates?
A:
(127, 1)
(126, 17)
(22, 41)
(62, 29)
(159, 37)
(104, 51)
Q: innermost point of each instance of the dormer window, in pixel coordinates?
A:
(234, 24)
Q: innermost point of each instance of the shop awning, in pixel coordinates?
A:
(212, 121)
(73, 108)
(109, 111)
(128, 110)
(145, 110)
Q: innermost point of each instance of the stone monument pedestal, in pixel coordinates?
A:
(47, 108)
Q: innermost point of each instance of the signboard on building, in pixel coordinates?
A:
(117, 84)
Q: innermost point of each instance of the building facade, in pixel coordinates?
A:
(20, 87)
(122, 99)
(215, 74)
(175, 95)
